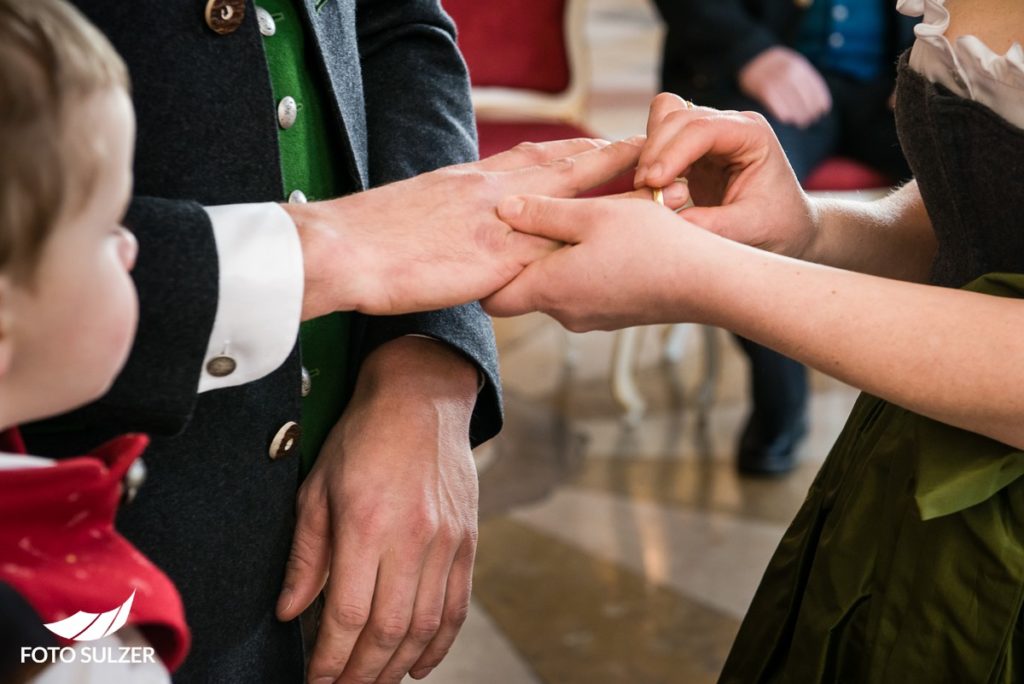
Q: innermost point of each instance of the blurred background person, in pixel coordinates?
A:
(823, 74)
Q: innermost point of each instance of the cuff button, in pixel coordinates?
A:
(221, 366)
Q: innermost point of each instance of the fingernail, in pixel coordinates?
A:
(511, 207)
(284, 602)
(420, 674)
(675, 193)
(655, 171)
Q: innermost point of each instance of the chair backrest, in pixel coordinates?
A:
(527, 58)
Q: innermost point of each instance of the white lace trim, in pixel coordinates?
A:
(966, 66)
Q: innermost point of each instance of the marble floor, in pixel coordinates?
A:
(612, 553)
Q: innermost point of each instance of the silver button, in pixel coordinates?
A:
(307, 382)
(268, 26)
(840, 13)
(221, 366)
(286, 441)
(836, 40)
(297, 197)
(133, 480)
(287, 112)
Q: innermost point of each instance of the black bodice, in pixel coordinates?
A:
(969, 164)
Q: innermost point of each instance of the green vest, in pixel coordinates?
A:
(309, 150)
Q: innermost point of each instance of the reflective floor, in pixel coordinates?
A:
(611, 553)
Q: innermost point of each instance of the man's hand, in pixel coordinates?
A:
(787, 85)
(388, 519)
(739, 178)
(434, 241)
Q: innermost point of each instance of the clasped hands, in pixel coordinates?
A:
(627, 261)
(503, 230)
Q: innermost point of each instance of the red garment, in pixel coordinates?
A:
(59, 548)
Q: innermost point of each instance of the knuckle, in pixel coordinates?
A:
(424, 527)
(389, 632)
(424, 628)
(531, 150)
(309, 497)
(665, 100)
(565, 170)
(757, 117)
(456, 615)
(350, 617)
(448, 536)
(678, 116)
(365, 521)
(474, 182)
(701, 124)
(563, 166)
(299, 561)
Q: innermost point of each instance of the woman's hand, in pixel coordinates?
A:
(626, 262)
(739, 178)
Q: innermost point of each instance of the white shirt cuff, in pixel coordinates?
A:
(260, 303)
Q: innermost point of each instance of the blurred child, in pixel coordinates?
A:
(76, 599)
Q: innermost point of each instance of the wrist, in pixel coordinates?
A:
(420, 370)
(814, 248)
(328, 234)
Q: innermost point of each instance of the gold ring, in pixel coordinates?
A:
(658, 195)
(689, 104)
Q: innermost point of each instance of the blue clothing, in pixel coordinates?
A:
(847, 37)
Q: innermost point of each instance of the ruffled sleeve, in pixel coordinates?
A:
(967, 66)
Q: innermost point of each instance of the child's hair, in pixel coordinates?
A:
(51, 60)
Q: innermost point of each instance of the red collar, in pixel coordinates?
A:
(64, 555)
(11, 442)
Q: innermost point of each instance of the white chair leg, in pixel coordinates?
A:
(712, 368)
(572, 350)
(676, 338)
(624, 388)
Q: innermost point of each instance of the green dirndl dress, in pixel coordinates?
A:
(905, 563)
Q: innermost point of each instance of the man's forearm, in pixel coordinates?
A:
(891, 237)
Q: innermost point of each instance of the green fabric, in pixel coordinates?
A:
(308, 154)
(905, 563)
(947, 482)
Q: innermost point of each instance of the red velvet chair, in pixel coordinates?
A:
(528, 65)
(840, 175)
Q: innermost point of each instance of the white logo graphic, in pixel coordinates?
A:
(84, 626)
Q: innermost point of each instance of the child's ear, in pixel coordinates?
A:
(6, 336)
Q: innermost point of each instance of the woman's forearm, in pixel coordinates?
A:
(951, 355)
(891, 237)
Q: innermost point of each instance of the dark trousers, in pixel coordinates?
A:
(860, 126)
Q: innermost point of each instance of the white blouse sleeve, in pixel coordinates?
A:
(966, 66)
